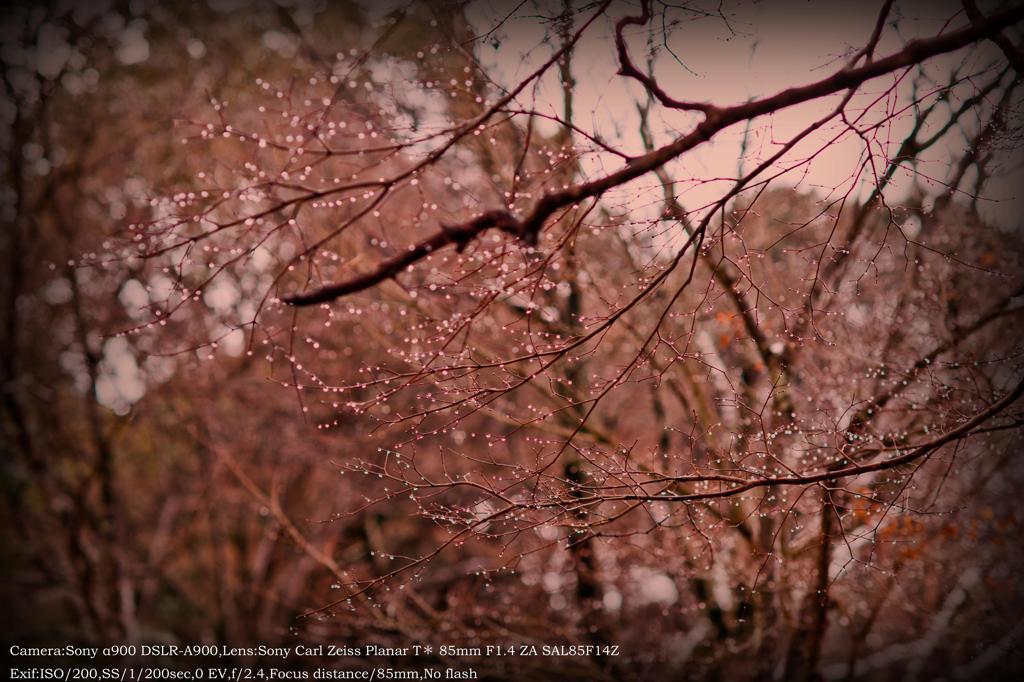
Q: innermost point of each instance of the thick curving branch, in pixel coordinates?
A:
(716, 119)
(628, 68)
